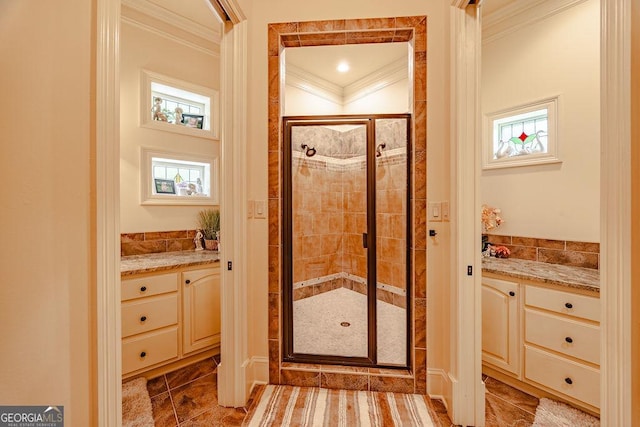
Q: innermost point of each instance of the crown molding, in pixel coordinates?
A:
(169, 36)
(387, 75)
(151, 9)
(315, 85)
(519, 14)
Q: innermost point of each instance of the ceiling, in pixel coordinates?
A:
(363, 60)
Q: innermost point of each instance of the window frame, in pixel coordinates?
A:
(551, 156)
(146, 120)
(147, 195)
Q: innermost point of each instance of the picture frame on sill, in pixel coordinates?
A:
(165, 186)
(193, 120)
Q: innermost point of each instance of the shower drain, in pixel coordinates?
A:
(345, 324)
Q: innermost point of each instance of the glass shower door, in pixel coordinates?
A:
(329, 235)
(392, 195)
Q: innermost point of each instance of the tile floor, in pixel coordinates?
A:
(319, 326)
(188, 397)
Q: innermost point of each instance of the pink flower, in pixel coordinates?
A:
(490, 218)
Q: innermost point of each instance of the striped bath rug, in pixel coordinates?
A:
(309, 406)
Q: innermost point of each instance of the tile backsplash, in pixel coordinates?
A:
(564, 252)
(156, 241)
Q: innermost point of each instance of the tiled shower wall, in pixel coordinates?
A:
(330, 206)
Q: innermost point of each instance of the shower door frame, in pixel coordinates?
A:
(368, 120)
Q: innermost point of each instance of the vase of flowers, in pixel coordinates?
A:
(491, 219)
(209, 223)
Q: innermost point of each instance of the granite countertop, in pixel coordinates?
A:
(573, 277)
(135, 264)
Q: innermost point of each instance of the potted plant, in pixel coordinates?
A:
(209, 223)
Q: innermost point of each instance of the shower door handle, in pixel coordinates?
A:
(364, 240)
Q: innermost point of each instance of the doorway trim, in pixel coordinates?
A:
(107, 215)
(106, 350)
(467, 388)
(615, 183)
(615, 213)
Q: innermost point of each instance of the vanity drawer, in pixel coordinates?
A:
(149, 285)
(564, 335)
(146, 314)
(565, 376)
(148, 349)
(563, 302)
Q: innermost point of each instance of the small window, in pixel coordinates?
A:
(520, 136)
(176, 106)
(172, 178)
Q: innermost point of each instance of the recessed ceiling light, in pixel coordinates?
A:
(343, 67)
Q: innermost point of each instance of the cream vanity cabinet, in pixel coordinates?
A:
(500, 324)
(169, 318)
(200, 292)
(550, 346)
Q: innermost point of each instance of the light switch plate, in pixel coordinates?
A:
(445, 211)
(251, 205)
(261, 209)
(435, 211)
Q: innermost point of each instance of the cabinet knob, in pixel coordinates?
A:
(568, 305)
(143, 288)
(511, 293)
(569, 340)
(187, 281)
(143, 354)
(143, 318)
(568, 380)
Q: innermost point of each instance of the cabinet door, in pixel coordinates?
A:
(500, 325)
(201, 309)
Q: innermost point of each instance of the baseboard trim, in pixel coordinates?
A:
(256, 372)
(439, 386)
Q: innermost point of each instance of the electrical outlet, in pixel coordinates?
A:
(261, 209)
(435, 211)
(445, 211)
(251, 205)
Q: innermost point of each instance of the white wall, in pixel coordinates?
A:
(557, 56)
(140, 49)
(47, 256)
(260, 15)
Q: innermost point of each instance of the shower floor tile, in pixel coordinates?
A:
(320, 326)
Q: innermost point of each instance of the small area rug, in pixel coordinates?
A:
(136, 404)
(555, 414)
(310, 406)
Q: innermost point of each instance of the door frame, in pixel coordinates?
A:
(615, 209)
(232, 387)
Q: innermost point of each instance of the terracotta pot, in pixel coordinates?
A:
(211, 245)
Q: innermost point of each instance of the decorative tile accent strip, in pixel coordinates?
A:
(387, 293)
(562, 252)
(152, 242)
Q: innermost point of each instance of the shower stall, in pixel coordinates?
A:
(346, 239)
